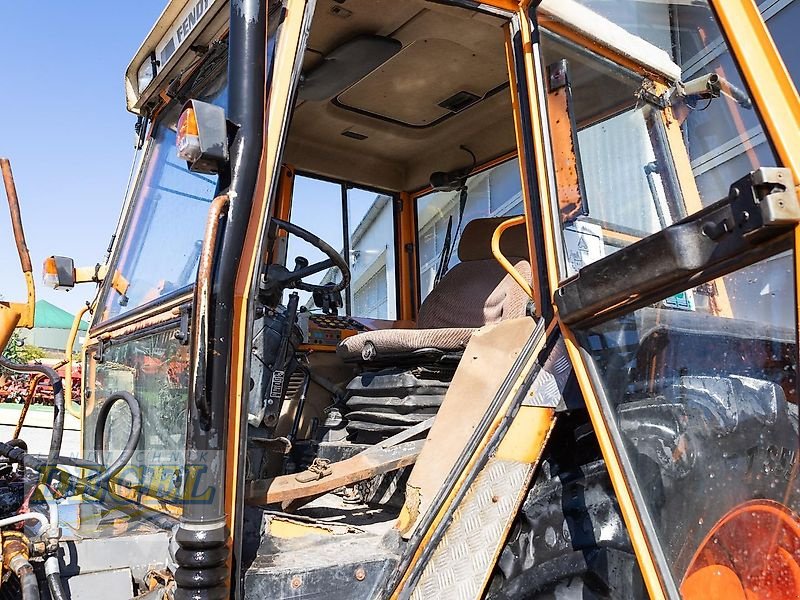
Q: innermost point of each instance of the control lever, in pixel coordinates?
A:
(279, 357)
(328, 300)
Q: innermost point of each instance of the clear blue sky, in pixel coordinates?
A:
(64, 126)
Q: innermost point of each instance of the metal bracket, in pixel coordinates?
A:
(774, 188)
(647, 93)
(557, 74)
(759, 201)
(99, 353)
(182, 335)
(759, 210)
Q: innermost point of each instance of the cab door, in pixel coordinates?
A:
(667, 152)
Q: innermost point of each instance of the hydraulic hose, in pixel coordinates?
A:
(133, 437)
(77, 485)
(53, 574)
(51, 567)
(58, 402)
(27, 578)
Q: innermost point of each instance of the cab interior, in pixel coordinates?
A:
(401, 153)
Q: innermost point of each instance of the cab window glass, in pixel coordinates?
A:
(703, 389)
(155, 370)
(645, 164)
(161, 247)
(372, 254)
(491, 193)
(360, 224)
(782, 18)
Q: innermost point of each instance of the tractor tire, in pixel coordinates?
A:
(705, 446)
(570, 542)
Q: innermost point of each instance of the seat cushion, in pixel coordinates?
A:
(475, 293)
(389, 342)
(472, 294)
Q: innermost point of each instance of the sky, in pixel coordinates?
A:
(64, 125)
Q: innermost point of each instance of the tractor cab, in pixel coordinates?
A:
(449, 299)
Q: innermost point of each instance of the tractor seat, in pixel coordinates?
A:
(475, 292)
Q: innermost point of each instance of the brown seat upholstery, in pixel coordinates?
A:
(474, 293)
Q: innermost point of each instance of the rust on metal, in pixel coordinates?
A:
(16, 216)
(565, 157)
(202, 299)
(28, 401)
(367, 464)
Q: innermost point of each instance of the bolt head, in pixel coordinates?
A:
(360, 574)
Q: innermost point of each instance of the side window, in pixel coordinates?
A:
(317, 207)
(158, 259)
(329, 210)
(155, 369)
(494, 192)
(370, 219)
(647, 165)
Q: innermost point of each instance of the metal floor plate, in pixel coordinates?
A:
(462, 562)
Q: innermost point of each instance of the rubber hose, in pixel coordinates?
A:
(130, 445)
(58, 402)
(88, 487)
(53, 572)
(27, 580)
(69, 461)
(83, 463)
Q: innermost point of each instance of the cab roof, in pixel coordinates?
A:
(183, 27)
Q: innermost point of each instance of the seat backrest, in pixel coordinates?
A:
(478, 291)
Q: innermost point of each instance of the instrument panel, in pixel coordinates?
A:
(324, 332)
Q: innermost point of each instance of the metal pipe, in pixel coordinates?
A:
(28, 401)
(651, 169)
(201, 306)
(13, 314)
(348, 308)
(53, 531)
(28, 516)
(500, 257)
(202, 536)
(71, 407)
(52, 569)
(16, 216)
(15, 558)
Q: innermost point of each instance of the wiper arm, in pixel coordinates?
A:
(712, 85)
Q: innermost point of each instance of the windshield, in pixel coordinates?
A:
(159, 252)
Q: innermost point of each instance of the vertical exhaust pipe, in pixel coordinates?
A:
(204, 563)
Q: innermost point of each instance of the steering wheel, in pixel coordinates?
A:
(294, 279)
